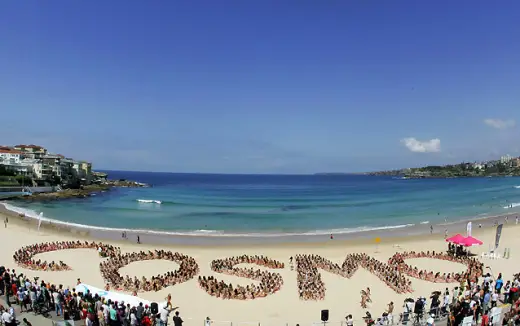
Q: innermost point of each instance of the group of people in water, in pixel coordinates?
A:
(269, 282)
(311, 286)
(474, 268)
(24, 256)
(110, 271)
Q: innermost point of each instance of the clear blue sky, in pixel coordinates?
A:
(262, 86)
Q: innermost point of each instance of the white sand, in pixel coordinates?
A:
(342, 295)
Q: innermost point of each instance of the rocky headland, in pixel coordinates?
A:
(81, 192)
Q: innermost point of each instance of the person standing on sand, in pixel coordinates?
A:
(445, 233)
(431, 229)
(516, 220)
(390, 312)
(6, 220)
(138, 240)
(177, 320)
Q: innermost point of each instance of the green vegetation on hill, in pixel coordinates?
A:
(492, 169)
(8, 179)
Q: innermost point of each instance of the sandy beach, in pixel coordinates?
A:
(342, 295)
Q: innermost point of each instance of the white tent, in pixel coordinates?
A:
(113, 296)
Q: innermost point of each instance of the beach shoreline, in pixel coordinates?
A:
(394, 233)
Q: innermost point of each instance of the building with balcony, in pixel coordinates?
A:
(10, 156)
(70, 172)
(28, 167)
(32, 151)
(85, 170)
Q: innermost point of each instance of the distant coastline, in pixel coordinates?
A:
(505, 167)
(338, 173)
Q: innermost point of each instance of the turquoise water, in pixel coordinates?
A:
(211, 203)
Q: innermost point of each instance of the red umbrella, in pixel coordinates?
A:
(456, 239)
(470, 241)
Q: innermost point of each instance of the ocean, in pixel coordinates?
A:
(217, 204)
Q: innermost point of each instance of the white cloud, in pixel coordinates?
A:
(500, 124)
(417, 146)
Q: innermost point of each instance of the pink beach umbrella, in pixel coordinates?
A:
(456, 239)
(470, 241)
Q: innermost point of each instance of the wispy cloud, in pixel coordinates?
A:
(417, 146)
(500, 124)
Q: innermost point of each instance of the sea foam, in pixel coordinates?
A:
(149, 201)
(513, 205)
(29, 213)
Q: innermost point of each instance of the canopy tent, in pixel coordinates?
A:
(456, 239)
(471, 241)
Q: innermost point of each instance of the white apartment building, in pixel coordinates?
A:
(35, 166)
(9, 156)
(506, 159)
(28, 167)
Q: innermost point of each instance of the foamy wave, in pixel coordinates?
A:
(425, 222)
(208, 233)
(149, 201)
(517, 187)
(350, 230)
(513, 205)
(25, 211)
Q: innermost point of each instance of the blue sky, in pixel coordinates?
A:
(262, 86)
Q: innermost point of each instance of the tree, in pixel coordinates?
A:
(6, 172)
(56, 180)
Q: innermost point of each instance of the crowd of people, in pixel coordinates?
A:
(474, 267)
(477, 295)
(110, 271)
(269, 282)
(311, 287)
(110, 267)
(474, 301)
(41, 297)
(457, 250)
(24, 256)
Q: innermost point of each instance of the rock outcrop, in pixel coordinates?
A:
(83, 192)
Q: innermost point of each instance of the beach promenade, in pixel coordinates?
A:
(282, 305)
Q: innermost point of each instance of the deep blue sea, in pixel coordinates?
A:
(214, 203)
